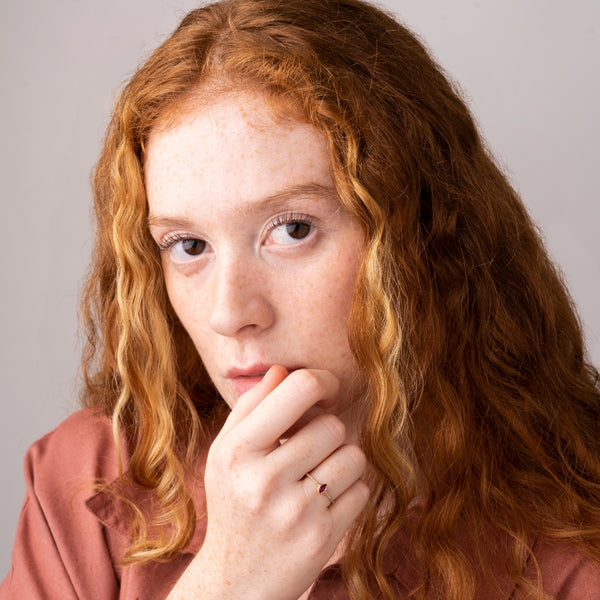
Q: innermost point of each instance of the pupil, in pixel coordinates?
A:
(193, 247)
(297, 230)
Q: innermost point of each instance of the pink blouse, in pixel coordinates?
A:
(71, 537)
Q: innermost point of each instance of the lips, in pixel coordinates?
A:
(245, 378)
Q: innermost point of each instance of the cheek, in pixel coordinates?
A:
(181, 293)
(327, 299)
(343, 280)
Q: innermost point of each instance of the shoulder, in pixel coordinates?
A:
(61, 548)
(80, 449)
(566, 572)
(563, 570)
(86, 426)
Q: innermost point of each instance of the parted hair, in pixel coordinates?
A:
(481, 407)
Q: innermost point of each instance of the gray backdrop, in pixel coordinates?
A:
(529, 69)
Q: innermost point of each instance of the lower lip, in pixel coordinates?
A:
(242, 384)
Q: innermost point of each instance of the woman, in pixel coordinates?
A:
(296, 215)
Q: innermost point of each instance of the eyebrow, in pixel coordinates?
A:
(311, 191)
(273, 201)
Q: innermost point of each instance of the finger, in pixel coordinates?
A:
(348, 507)
(300, 390)
(339, 472)
(252, 398)
(309, 447)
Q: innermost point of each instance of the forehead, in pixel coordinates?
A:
(237, 149)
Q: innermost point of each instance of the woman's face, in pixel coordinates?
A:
(259, 256)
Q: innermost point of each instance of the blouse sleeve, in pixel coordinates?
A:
(60, 550)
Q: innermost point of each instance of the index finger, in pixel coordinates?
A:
(279, 411)
(252, 398)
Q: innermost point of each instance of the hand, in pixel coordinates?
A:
(269, 531)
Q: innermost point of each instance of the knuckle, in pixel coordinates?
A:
(334, 427)
(254, 504)
(227, 454)
(318, 538)
(252, 491)
(306, 381)
(357, 458)
(363, 490)
(287, 516)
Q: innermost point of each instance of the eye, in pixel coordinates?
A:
(290, 228)
(186, 249)
(183, 248)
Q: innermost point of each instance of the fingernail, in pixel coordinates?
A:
(268, 373)
(271, 370)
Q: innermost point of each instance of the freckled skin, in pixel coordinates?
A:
(254, 296)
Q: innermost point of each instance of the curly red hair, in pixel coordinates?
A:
(480, 399)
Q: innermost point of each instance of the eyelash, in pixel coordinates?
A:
(287, 218)
(170, 239)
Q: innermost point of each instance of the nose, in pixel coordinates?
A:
(240, 300)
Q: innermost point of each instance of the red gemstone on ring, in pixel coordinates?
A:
(322, 488)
